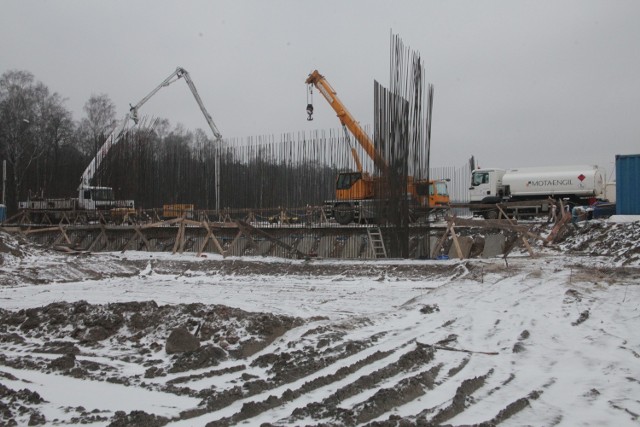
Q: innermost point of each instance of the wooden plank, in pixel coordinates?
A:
(63, 220)
(142, 236)
(161, 223)
(183, 239)
(101, 235)
(240, 234)
(66, 237)
(216, 242)
(501, 224)
(126, 245)
(70, 251)
(179, 237)
(48, 220)
(63, 235)
(524, 239)
(57, 240)
(14, 216)
(211, 236)
(456, 244)
(204, 244)
(271, 238)
(555, 232)
(440, 241)
(137, 235)
(40, 230)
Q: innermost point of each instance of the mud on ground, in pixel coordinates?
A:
(91, 341)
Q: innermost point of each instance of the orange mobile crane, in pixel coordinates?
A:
(356, 191)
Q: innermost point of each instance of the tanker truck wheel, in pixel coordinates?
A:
(343, 213)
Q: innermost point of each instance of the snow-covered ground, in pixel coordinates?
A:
(549, 340)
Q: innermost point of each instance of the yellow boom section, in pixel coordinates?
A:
(347, 120)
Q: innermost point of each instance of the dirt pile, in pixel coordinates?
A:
(177, 348)
(67, 335)
(12, 246)
(619, 241)
(135, 333)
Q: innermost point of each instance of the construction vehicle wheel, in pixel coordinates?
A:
(343, 213)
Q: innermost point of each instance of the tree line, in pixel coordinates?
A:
(46, 152)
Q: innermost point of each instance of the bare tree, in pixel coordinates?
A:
(19, 144)
(54, 130)
(82, 139)
(34, 126)
(100, 121)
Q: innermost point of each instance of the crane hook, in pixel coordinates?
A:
(310, 103)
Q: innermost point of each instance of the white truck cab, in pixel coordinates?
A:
(486, 185)
(92, 198)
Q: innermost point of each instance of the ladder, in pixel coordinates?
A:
(377, 242)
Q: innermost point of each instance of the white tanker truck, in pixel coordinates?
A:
(534, 187)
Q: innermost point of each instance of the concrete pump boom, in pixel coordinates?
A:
(117, 133)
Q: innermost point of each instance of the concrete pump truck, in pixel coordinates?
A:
(98, 203)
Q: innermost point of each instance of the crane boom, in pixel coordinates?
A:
(347, 120)
(117, 133)
(207, 116)
(114, 136)
(359, 195)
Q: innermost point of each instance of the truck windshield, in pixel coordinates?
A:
(478, 178)
(442, 188)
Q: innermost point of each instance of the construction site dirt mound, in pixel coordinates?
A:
(268, 360)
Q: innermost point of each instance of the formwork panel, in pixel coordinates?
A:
(367, 251)
(306, 244)
(326, 246)
(263, 248)
(465, 246)
(238, 247)
(345, 243)
(281, 252)
(352, 247)
(493, 245)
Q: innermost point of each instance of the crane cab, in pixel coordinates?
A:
(432, 193)
(354, 186)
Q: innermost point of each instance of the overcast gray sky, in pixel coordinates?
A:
(517, 83)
